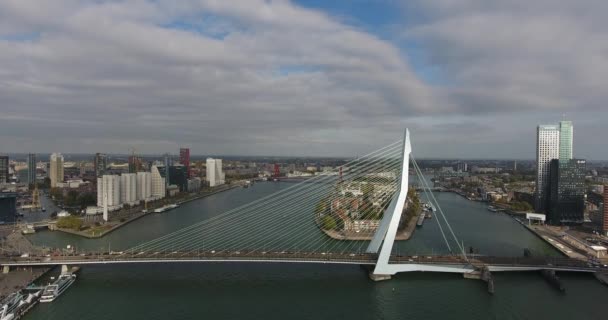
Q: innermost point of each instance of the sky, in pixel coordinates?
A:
(469, 78)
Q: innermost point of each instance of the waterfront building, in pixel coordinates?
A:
(101, 164)
(194, 184)
(168, 163)
(565, 140)
(179, 177)
(159, 185)
(4, 169)
(184, 159)
(56, 169)
(605, 211)
(215, 176)
(144, 185)
(547, 149)
(8, 207)
(108, 188)
(128, 188)
(31, 168)
(566, 192)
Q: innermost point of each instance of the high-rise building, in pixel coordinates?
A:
(565, 140)
(8, 207)
(605, 217)
(3, 169)
(179, 177)
(56, 169)
(184, 159)
(128, 188)
(168, 163)
(31, 168)
(108, 189)
(101, 164)
(547, 149)
(566, 192)
(215, 176)
(135, 164)
(144, 185)
(159, 186)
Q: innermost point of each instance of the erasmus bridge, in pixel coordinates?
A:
(295, 225)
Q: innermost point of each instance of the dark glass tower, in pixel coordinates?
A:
(566, 201)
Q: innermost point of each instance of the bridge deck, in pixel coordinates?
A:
(448, 261)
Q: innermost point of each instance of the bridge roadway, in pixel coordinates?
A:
(447, 263)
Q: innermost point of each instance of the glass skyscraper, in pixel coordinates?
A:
(565, 140)
(566, 192)
(547, 149)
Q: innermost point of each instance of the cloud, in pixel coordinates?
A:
(223, 77)
(272, 77)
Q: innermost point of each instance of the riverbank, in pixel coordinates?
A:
(103, 230)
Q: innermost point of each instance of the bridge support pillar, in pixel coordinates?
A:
(379, 277)
(6, 269)
(64, 269)
(483, 274)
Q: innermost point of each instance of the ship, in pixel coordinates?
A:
(166, 208)
(420, 221)
(54, 290)
(11, 306)
(493, 209)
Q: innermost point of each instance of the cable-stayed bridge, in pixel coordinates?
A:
(349, 216)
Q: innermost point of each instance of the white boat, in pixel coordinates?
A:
(54, 290)
(10, 306)
(166, 208)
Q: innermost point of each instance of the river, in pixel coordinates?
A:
(291, 291)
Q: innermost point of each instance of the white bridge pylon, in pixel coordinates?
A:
(384, 238)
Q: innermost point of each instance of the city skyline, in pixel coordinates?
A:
(234, 81)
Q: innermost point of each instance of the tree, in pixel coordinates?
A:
(71, 199)
(87, 199)
(329, 223)
(70, 222)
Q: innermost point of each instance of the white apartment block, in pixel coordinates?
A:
(144, 185)
(108, 186)
(158, 183)
(128, 188)
(215, 176)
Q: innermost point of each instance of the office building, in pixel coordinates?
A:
(565, 140)
(605, 211)
(31, 168)
(168, 163)
(128, 188)
(144, 185)
(108, 188)
(215, 176)
(159, 185)
(178, 175)
(8, 207)
(101, 164)
(566, 192)
(547, 149)
(194, 184)
(56, 169)
(184, 159)
(4, 169)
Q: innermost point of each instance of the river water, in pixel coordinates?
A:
(292, 291)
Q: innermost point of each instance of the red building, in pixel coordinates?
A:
(605, 219)
(184, 159)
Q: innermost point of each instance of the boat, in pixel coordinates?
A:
(54, 290)
(166, 208)
(43, 209)
(493, 209)
(11, 306)
(420, 221)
